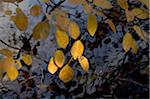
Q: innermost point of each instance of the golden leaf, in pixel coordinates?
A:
(77, 49)
(84, 63)
(59, 58)
(27, 59)
(12, 73)
(62, 38)
(52, 68)
(45, 1)
(140, 13)
(8, 12)
(6, 52)
(35, 10)
(87, 8)
(103, 4)
(129, 15)
(127, 42)
(74, 30)
(92, 24)
(134, 47)
(141, 33)
(123, 4)
(66, 74)
(21, 20)
(41, 30)
(19, 65)
(111, 24)
(75, 2)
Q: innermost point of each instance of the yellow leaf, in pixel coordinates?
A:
(127, 42)
(134, 47)
(62, 38)
(21, 20)
(77, 49)
(45, 1)
(19, 65)
(66, 74)
(74, 30)
(52, 68)
(103, 4)
(41, 30)
(84, 63)
(75, 2)
(59, 58)
(12, 73)
(111, 24)
(129, 15)
(123, 4)
(141, 33)
(6, 52)
(8, 12)
(35, 10)
(27, 59)
(87, 8)
(140, 13)
(92, 24)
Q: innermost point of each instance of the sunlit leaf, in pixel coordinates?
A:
(134, 47)
(6, 52)
(84, 63)
(111, 24)
(129, 15)
(75, 2)
(35, 10)
(74, 30)
(21, 20)
(27, 59)
(77, 49)
(62, 38)
(92, 24)
(66, 74)
(103, 4)
(140, 13)
(141, 33)
(19, 65)
(52, 68)
(59, 58)
(87, 8)
(41, 30)
(127, 42)
(12, 73)
(123, 4)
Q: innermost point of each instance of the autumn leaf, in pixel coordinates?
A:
(134, 47)
(75, 2)
(123, 4)
(12, 73)
(84, 63)
(87, 8)
(52, 68)
(45, 1)
(127, 42)
(8, 12)
(140, 13)
(146, 2)
(77, 49)
(141, 33)
(18, 63)
(92, 24)
(129, 15)
(103, 4)
(59, 58)
(111, 24)
(21, 20)
(6, 52)
(66, 74)
(62, 38)
(74, 30)
(27, 59)
(35, 10)
(41, 30)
